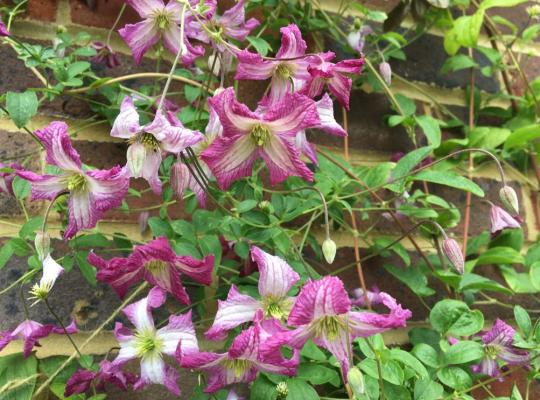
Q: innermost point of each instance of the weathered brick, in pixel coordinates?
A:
(101, 13)
(44, 10)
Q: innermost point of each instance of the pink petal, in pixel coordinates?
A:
(179, 331)
(145, 8)
(174, 139)
(340, 347)
(276, 276)
(340, 86)
(295, 113)
(198, 270)
(325, 109)
(58, 146)
(283, 160)
(306, 148)
(292, 44)
(126, 123)
(139, 313)
(44, 187)
(83, 213)
(140, 37)
(150, 170)
(108, 187)
(235, 117)
(253, 67)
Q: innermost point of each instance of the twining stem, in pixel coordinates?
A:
(45, 385)
(59, 320)
(120, 13)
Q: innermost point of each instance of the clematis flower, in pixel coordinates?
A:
(30, 332)
(500, 219)
(156, 263)
(248, 135)
(359, 299)
(498, 346)
(164, 134)
(322, 312)
(82, 379)
(357, 38)
(3, 29)
(275, 281)
(328, 124)
(105, 54)
(324, 72)
(287, 75)
(159, 21)
(249, 353)
(91, 192)
(150, 344)
(6, 178)
(51, 271)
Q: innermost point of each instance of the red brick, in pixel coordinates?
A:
(44, 10)
(101, 13)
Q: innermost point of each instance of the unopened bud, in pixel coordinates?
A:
(143, 221)
(534, 11)
(180, 177)
(452, 250)
(509, 199)
(214, 65)
(136, 155)
(42, 242)
(386, 72)
(356, 382)
(329, 250)
(282, 391)
(357, 23)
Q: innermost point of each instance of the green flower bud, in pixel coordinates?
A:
(282, 391)
(356, 381)
(42, 243)
(329, 250)
(509, 199)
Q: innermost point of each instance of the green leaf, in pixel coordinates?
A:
(477, 282)
(413, 278)
(500, 3)
(318, 375)
(261, 45)
(246, 206)
(77, 68)
(405, 165)
(500, 255)
(451, 179)
(523, 320)
(88, 271)
(519, 282)
(534, 273)
(409, 361)
(457, 63)
(522, 137)
(488, 137)
(453, 317)
(427, 354)
(431, 128)
(5, 254)
(21, 188)
(92, 240)
(300, 390)
(311, 351)
(465, 32)
(464, 352)
(263, 389)
(17, 376)
(426, 389)
(455, 377)
(160, 227)
(31, 226)
(21, 107)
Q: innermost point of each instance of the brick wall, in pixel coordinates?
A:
(370, 141)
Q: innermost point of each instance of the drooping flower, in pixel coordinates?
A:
(498, 347)
(51, 271)
(500, 220)
(6, 178)
(30, 332)
(105, 54)
(322, 312)
(357, 38)
(164, 134)
(155, 262)
(82, 379)
(159, 21)
(325, 73)
(275, 281)
(452, 250)
(91, 192)
(248, 135)
(150, 344)
(250, 352)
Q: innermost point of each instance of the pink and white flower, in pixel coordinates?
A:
(51, 271)
(248, 135)
(325, 73)
(250, 352)
(157, 263)
(148, 142)
(322, 312)
(499, 347)
(275, 282)
(91, 192)
(159, 21)
(150, 344)
(289, 71)
(501, 219)
(30, 332)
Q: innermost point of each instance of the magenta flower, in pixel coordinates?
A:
(105, 54)
(322, 312)
(82, 379)
(323, 72)
(164, 134)
(359, 299)
(3, 29)
(159, 21)
(250, 352)
(500, 219)
(498, 346)
(150, 344)
(248, 135)
(156, 263)
(6, 178)
(287, 75)
(30, 332)
(276, 280)
(91, 192)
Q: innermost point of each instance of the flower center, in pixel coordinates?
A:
(260, 134)
(149, 141)
(238, 366)
(162, 20)
(147, 344)
(492, 351)
(275, 308)
(155, 267)
(329, 326)
(76, 183)
(284, 70)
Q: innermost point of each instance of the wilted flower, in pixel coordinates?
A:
(105, 54)
(91, 192)
(164, 134)
(30, 332)
(159, 21)
(150, 344)
(386, 72)
(500, 220)
(452, 250)
(82, 379)
(509, 199)
(322, 312)
(498, 346)
(51, 271)
(248, 135)
(156, 263)
(275, 281)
